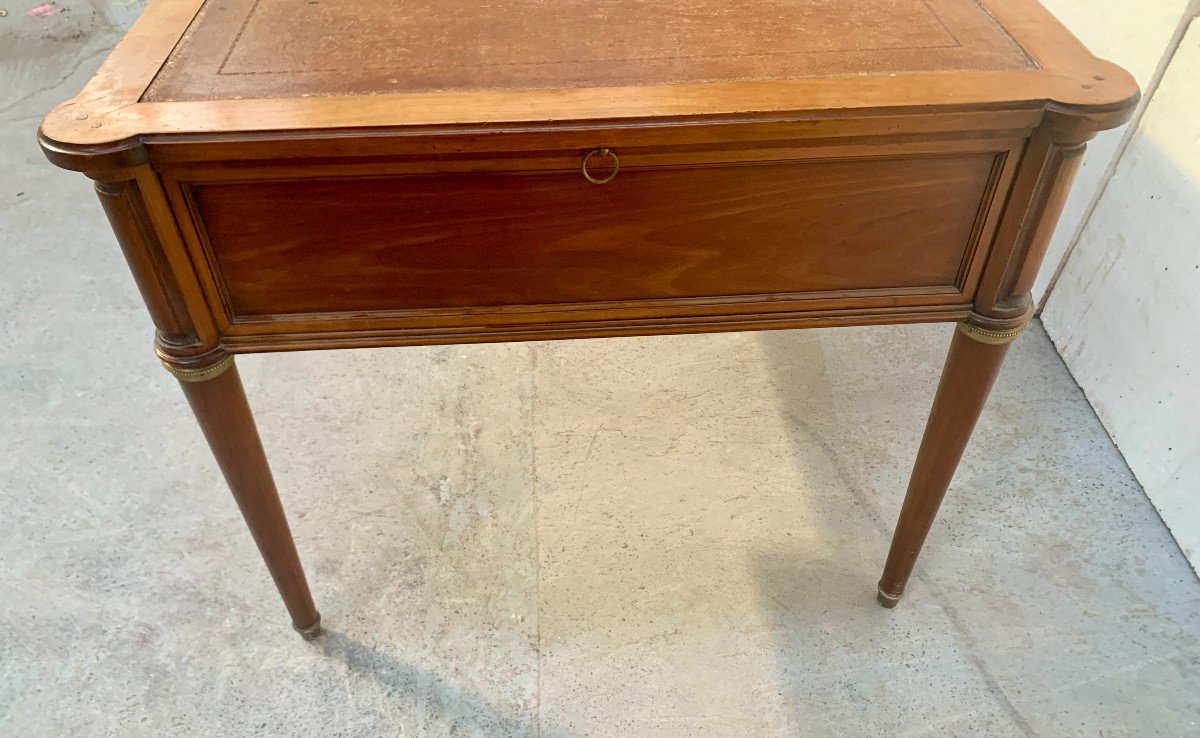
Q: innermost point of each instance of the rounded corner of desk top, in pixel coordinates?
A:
(1009, 55)
(70, 141)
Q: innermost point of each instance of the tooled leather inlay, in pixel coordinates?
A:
(292, 48)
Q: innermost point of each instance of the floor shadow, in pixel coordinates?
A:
(445, 701)
(840, 415)
(831, 638)
(863, 425)
(857, 402)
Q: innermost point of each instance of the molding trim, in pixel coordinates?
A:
(990, 336)
(202, 374)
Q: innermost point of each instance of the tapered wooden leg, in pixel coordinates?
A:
(971, 368)
(219, 402)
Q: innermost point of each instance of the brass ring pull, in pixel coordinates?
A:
(600, 152)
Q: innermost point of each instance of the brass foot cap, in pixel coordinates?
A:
(311, 631)
(887, 600)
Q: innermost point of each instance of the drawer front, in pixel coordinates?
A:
(487, 239)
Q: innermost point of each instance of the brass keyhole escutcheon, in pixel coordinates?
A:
(616, 166)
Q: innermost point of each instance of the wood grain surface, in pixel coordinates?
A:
(235, 67)
(297, 48)
(473, 240)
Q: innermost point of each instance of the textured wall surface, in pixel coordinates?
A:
(1135, 35)
(1124, 312)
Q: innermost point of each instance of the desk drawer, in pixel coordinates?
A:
(486, 239)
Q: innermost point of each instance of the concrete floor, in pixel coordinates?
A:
(630, 537)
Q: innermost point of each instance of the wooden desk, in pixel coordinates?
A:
(311, 174)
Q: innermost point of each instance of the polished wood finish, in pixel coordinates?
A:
(569, 258)
(1064, 77)
(287, 175)
(531, 238)
(971, 369)
(282, 48)
(220, 406)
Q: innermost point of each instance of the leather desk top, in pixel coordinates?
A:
(239, 66)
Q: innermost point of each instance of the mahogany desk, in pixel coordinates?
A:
(314, 174)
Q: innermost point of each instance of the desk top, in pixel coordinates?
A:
(299, 48)
(224, 67)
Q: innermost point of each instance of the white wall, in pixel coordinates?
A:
(1125, 312)
(1135, 35)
